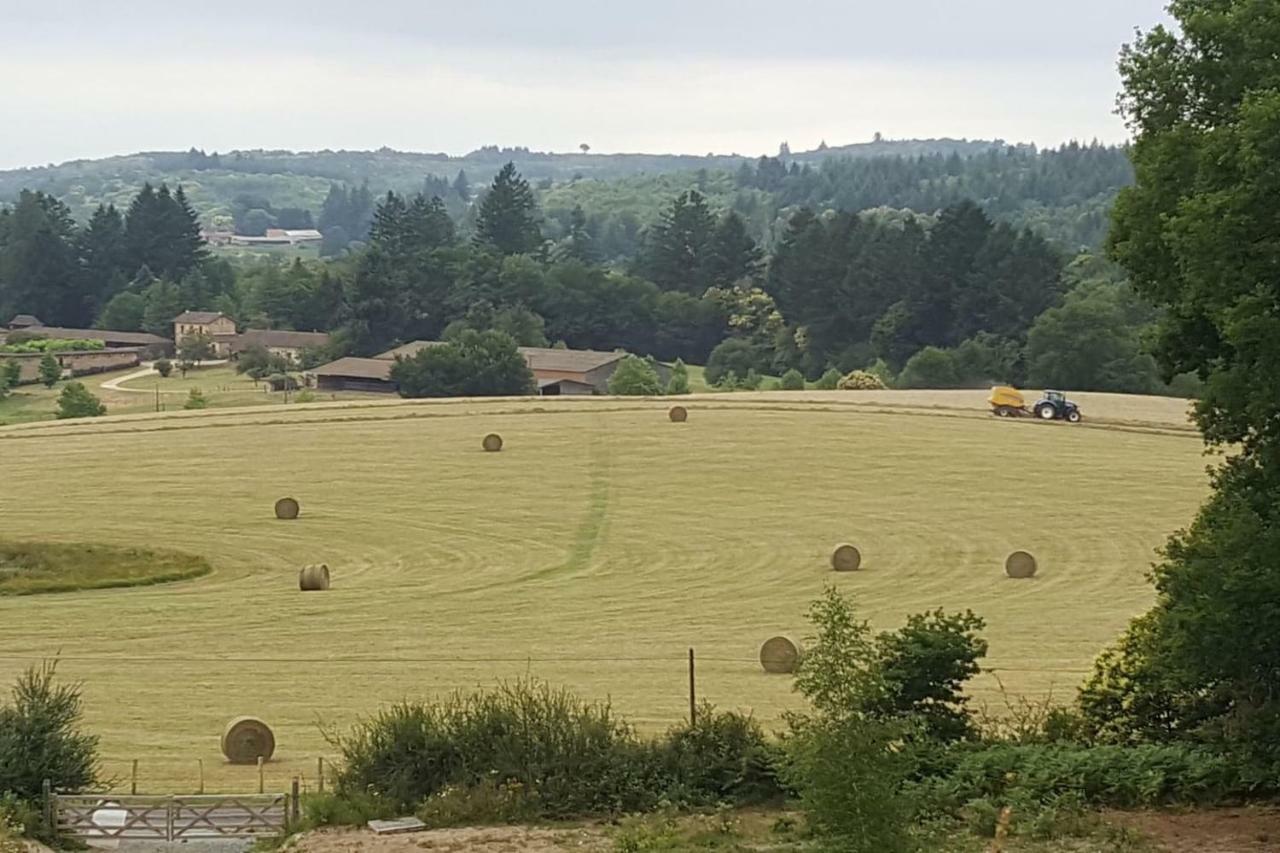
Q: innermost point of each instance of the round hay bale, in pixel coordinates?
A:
(246, 739)
(1020, 565)
(314, 578)
(781, 655)
(846, 558)
(287, 509)
(678, 414)
(492, 442)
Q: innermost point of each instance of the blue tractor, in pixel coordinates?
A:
(1056, 407)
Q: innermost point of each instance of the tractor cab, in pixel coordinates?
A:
(1055, 406)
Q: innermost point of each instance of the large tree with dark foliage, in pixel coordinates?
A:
(473, 364)
(508, 217)
(162, 233)
(1199, 235)
(38, 265)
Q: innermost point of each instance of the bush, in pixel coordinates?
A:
(635, 377)
(164, 367)
(829, 381)
(931, 367)
(40, 737)
(722, 758)
(196, 400)
(474, 364)
(679, 383)
(306, 395)
(751, 382)
(860, 380)
(575, 758)
(351, 808)
(75, 401)
(1101, 776)
(15, 345)
(50, 370)
(737, 356)
(792, 380)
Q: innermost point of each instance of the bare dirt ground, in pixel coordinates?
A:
(1244, 830)
(500, 839)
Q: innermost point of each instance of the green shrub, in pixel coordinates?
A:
(931, 367)
(40, 737)
(350, 808)
(489, 802)
(635, 377)
(306, 395)
(737, 356)
(76, 401)
(829, 381)
(679, 383)
(196, 400)
(792, 380)
(771, 383)
(572, 757)
(164, 367)
(49, 346)
(722, 758)
(1109, 776)
(50, 370)
(751, 382)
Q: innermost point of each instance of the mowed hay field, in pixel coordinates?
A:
(593, 551)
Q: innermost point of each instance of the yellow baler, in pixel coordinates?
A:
(1008, 402)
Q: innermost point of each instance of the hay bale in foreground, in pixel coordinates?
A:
(781, 655)
(846, 558)
(678, 414)
(1020, 565)
(287, 509)
(246, 739)
(314, 578)
(492, 443)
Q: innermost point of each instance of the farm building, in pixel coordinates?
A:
(150, 346)
(80, 363)
(25, 321)
(215, 324)
(289, 345)
(559, 372)
(354, 374)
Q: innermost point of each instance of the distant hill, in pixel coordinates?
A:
(301, 179)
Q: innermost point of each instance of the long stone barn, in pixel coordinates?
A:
(559, 372)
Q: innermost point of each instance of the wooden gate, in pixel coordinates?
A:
(105, 816)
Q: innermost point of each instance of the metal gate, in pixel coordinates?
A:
(104, 816)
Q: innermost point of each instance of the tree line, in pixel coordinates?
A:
(951, 300)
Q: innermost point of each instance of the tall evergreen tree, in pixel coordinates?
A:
(38, 267)
(508, 218)
(102, 258)
(678, 247)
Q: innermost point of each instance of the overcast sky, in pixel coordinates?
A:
(86, 78)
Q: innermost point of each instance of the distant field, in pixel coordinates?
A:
(599, 546)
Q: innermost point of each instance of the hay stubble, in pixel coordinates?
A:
(593, 558)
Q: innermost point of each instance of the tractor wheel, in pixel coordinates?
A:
(1074, 416)
(1046, 412)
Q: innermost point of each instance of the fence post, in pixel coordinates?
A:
(50, 824)
(170, 818)
(320, 774)
(693, 694)
(261, 787)
(294, 806)
(133, 779)
(200, 761)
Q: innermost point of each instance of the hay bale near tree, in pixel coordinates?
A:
(492, 443)
(678, 414)
(314, 578)
(1020, 565)
(287, 509)
(846, 558)
(246, 739)
(781, 655)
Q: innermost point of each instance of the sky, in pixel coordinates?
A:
(83, 78)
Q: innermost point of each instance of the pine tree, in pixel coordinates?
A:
(733, 254)
(507, 221)
(164, 303)
(102, 258)
(462, 186)
(38, 267)
(677, 248)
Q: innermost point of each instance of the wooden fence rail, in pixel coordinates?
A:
(175, 818)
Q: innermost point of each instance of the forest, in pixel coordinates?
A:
(956, 297)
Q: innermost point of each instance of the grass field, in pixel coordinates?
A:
(36, 568)
(599, 546)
